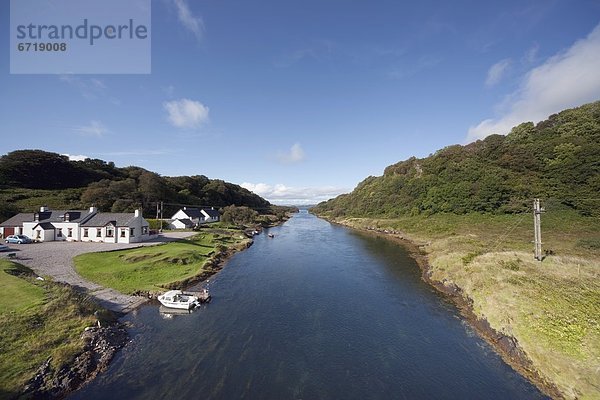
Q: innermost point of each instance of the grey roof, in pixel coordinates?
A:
(186, 221)
(58, 215)
(103, 219)
(191, 212)
(213, 213)
(47, 226)
(17, 220)
(47, 216)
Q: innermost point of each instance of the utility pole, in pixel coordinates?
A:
(537, 229)
(161, 216)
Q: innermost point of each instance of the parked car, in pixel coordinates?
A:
(4, 247)
(18, 239)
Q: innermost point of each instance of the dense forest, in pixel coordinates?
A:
(557, 159)
(35, 176)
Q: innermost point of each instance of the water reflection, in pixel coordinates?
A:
(317, 312)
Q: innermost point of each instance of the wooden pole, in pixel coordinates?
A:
(537, 229)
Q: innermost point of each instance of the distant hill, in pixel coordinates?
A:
(31, 178)
(558, 159)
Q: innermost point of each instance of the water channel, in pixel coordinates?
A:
(317, 312)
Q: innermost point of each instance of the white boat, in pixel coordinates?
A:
(178, 299)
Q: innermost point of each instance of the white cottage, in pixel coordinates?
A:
(115, 228)
(196, 216)
(79, 225)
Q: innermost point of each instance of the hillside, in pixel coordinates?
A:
(468, 211)
(31, 178)
(558, 159)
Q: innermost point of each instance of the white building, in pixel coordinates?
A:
(79, 225)
(115, 228)
(182, 218)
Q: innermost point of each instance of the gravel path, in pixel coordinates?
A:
(55, 259)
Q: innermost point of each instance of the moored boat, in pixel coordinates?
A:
(178, 299)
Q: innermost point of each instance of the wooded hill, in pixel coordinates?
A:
(558, 159)
(31, 178)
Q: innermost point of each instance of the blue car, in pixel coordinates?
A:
(18, 239)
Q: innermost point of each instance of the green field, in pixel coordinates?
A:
(38, 319)
(552, 307)
(155, 267)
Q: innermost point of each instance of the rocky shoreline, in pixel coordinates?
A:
(103, 342)
(506, 346)
(101, 345)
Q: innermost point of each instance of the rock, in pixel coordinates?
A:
(101, 346)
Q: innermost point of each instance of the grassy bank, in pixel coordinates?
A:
(38, 319)
(154, 268)
(551, 308)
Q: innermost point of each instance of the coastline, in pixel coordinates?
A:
(504, 345)
(103, 342)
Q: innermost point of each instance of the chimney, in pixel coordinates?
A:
(137, 213)
(185, 208)
(43, 208)
(67, 217)
(93, 209)
(36, 216)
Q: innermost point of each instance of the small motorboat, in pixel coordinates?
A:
(178, 299)
(271, 235)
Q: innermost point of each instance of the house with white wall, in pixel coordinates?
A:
(79, 225)
(115, 228)
(197, 216)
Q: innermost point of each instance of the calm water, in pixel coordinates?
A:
(318, 312)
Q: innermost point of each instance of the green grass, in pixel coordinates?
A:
(45, 320)
(552, 308)
(17, 294)
(155, 267)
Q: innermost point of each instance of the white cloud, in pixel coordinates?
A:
(75, 158)
(282, 194)
(496, 72)
(188, 20)
(568, 79)
(185, 113)
(95, 129)
(531, 54)
(90, 89)
(294, 155)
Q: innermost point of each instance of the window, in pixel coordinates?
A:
(85, 232)
(122, 233)
(59, 232)
(109, 232)
(38, 234)
(131, 231)
(98, 232)
(70, 232)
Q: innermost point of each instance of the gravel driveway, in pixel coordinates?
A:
(55, 259)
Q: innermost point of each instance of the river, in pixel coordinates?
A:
(317, 312)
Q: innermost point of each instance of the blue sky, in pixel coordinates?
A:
(300, 101)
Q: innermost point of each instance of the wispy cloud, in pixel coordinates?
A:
(75, 157)
(186, 113)
(568, 79)
(531, 55)
(319, 51)
(89, 88)
(192, 23)
(497, 71)
(141, 152)
(94, 129)
(294, 155)
(406, 69)
(282, 194)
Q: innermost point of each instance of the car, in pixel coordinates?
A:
(4, 247)
(18, 239)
